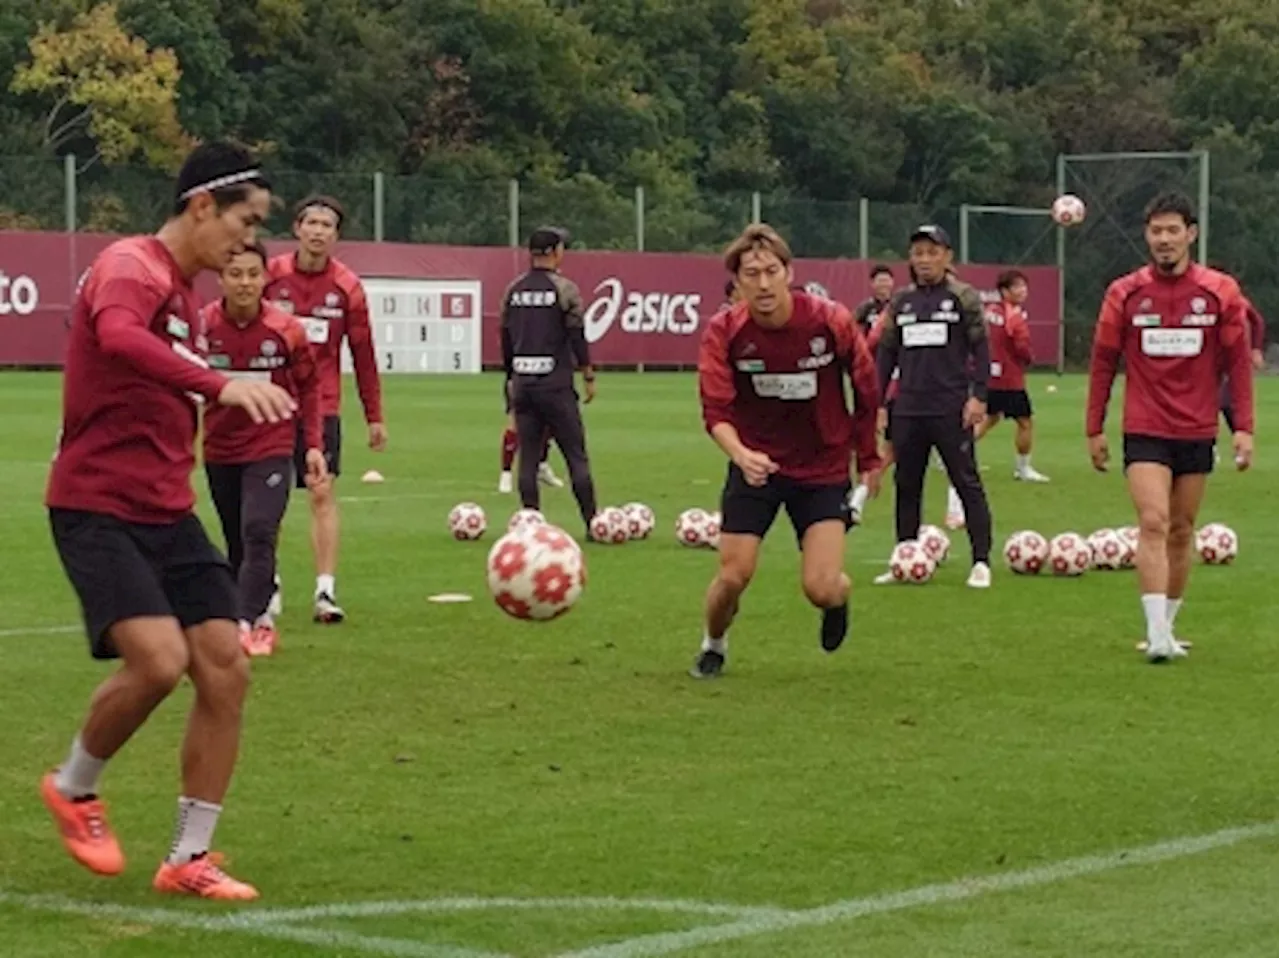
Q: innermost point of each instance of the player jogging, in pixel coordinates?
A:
(250, 465)
(935, 336)
(153, 590)
(1179, 326)
(329, 299)
(771, 373)
(543, 340)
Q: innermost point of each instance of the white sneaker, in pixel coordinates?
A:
(327, 610)
(548, 477)
(1029, 475)
(884, 578)
(504, 483)
(275, 608)
(857, 499)
(979, 576)
(1164, 649)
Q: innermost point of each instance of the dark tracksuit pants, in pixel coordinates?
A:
(553, 410)
(251, 499)
(913, 439)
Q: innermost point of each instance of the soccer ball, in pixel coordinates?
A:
(692, 528)
(640, 520)
(522, 518)
(537, 573)
(1109, 551)
(909, 562)
(467, 521)
(1217, 544)
(1069, 554)
(1129, 536)
(1026, 552)
(713, 529)
(1068, 210)
(609, 525)
(935, 542)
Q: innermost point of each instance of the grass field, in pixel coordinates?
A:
(973, 774)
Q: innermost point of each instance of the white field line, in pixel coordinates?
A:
(40, 630)
(667, 943)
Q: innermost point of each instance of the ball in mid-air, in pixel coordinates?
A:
(467, 521)
(1068, 210)
(536, 573)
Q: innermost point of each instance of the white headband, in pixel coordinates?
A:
(219, 182)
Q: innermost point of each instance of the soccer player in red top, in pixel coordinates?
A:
(1179, 327)
(153, 590)
(1257, 340)
(250, 465)
(771, 372)
(330, 300)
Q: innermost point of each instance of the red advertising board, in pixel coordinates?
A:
(640, 307)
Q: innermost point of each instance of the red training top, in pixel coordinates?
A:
(272, 347)
(1009, 339)
(783, 389)
(1178, 335)
(331, 305)
(134, 360)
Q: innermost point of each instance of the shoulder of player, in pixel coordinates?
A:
(1123, 288)
(347, 280)
(133, 261)
(728, 321)
(566, 287)
(279, 266)
(966, 294)
(285, 325)
(1220, 284)
(211, 313)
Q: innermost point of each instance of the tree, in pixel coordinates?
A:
(102, 85)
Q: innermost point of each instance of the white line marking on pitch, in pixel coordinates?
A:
(666, 943)
(40, 630)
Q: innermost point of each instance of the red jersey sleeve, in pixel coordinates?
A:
(1019, 335)
(852, 347)
(302, 367)
(1257, 326)
(121, 320)
(1234, 340)
(1108, 344)
(715, 375)
(360, 338)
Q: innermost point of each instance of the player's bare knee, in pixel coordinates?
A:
(824, 589)
(162, 667)
(323, 501)
(734, 577)
(1154, 521)
(1181, 530)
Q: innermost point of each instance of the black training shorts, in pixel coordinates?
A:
(124, 570)
(750, 510)
(1011, 403)
(1183, 457)
(332, 451)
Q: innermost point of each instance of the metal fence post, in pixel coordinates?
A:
(640, 219)
(379, 200)
(1203, 246)
(864, 228)
(69, 190)
(513, 213)
(757, 215)
(1062, 271)
(964, 232)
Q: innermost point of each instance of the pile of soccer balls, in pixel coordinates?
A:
(698, 529)
(1070, 554)
(915, 560)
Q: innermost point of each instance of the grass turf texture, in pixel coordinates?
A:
(422, 751)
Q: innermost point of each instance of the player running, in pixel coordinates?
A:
(936, 338)
(542, 341)
(250, 465)
(153, 590)
(881, 290)
(771, 373)
(1178, 327)
(330, 300)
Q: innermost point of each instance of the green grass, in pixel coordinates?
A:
(424, 751)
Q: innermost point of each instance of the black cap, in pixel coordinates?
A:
(931, 231)
(546, 238)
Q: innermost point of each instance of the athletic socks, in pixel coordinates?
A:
(78, 776)
(720, 646)
(1171, 610)
(194, 830)
(1155, 607)
(325, 585)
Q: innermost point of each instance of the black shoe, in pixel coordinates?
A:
(708, 665)
(835, 623)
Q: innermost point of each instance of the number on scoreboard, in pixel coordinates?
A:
(424, 325)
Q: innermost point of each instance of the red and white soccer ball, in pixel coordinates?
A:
(467, 521)
(609, 525)
(1068, 210)
(713, 529)
(1069, 554)
(536, 573)
(1129, 536)
(693, 528)
(935, 542)
(1026, 552)
(640, 520)
(909, 562)
(1217, 544)
(1109, 551)
(523, 518)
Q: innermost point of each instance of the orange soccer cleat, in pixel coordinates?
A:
(84, 829)
(202, 877)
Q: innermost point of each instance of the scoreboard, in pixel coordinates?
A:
(423, 325)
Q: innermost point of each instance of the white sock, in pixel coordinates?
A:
(720, 645)
(1154, 605)
(194, 831)
(1024, 462)
(326, 586)
(265, 620)
(78, 775)
(954, 506)
(1171, 610)
(859, 498)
